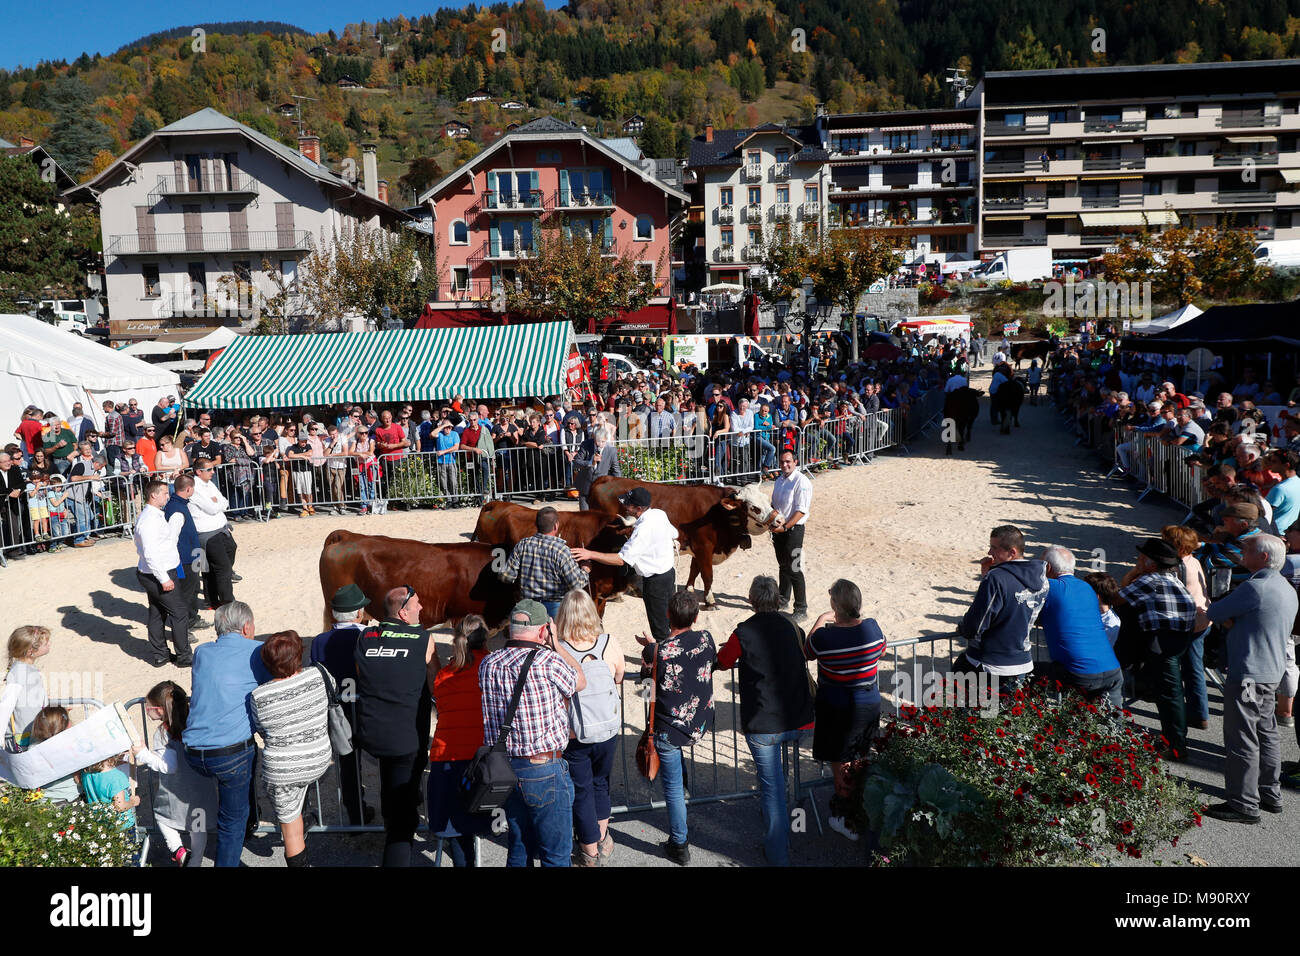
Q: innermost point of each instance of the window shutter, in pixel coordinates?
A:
(494, 241)
(533, 198)
(608, 240)
(564, 190)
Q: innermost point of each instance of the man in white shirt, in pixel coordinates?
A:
(208, 508)
(651, 553)
(955, 381)
(155, 544)
(791, 498)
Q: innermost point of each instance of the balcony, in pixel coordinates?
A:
(752, 252)
(753, 172)
(724, 254)
(1091, 163)
(1242, 120)
(781, 212)
(781, 172)
(1241, 159)
(726, 214)
(1002, 242)
(1036, 127)
(1261, 232)
(581, 199)
(1109, 202)
(182, 243)
(753, 212)
(529, 200)
(809, 210)
(1114, 126)
(218, 185)
(996, 204)
(1231, 196)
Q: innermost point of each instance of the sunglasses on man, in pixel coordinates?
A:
(410, 593)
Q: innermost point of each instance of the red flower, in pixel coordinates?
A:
(1060, 749)
(1001, 732)
(1091, 779)
(1116, 779)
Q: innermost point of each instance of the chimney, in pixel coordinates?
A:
(26, 142)
(383, 190)
(370, 170)
(708, 133)
(309, 146)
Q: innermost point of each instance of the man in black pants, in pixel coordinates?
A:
(193, 561)
(396, 664)
(155, 543)
(650, 553)
(791, 498)
(208, 508)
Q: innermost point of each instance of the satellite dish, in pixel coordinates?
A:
(1200, 361)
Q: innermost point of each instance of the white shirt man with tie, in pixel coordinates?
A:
(791, 498)
(651, 553)
(208, 508)
(155, 544)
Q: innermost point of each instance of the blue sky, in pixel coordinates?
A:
(65, 28)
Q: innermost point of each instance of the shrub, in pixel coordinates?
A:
(34, 832)
(1045, 781)
(655, 464)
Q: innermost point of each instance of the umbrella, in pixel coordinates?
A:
(723, 287)
(882, 350)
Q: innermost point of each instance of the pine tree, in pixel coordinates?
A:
(40, 247)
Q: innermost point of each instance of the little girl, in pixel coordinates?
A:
(107, 783)
(185, 801)
(51, 721)
(56, 497)
(24, 690)
(37, 506)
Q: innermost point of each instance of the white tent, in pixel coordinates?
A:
(218, 338)
(53, 370)
(1166, 322)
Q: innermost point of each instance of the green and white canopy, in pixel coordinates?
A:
(412, 365)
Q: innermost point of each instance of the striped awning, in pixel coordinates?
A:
(410, 365)
(1161, 217)
(1290, 175)
(1091, 219)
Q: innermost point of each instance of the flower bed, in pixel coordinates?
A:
(34, 832)
(1041, 782)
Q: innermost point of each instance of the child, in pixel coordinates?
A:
(184, 800)
(1107, 589)
(51, 721)
(56, 497)
(37, 507)
(24, 691)
(107, 783)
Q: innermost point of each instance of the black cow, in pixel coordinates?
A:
(1006, 403)
(1028, 351)
(961, 407)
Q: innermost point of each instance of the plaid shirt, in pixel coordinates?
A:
(545, 568)
(542, 720)
(116, 429)
(1162, 601)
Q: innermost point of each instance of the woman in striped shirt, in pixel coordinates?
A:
(847, 649)
(291, 712)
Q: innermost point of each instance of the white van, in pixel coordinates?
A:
(1278, 252)
(67, 314)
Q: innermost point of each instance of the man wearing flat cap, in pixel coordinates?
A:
(1158, 623)
(335, 650)
(1223, 554)
(650, 553)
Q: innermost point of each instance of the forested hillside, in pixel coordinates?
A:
(680, 63)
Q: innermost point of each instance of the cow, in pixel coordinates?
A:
(1006, 403)
(452, 580)
(711, 521)
(1028, 351)
(961, 407)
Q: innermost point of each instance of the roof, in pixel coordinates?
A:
(63, 179)
(1142, 82)
(277, 371)
(548, 128)
(208, 120)
(724, 150)
(1229, 328)
(5, 144)
(625, 146)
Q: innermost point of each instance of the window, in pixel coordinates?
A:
(753, 156)
(1003, 227)
(783, 194)
(951, 139)
(289, 269)
(1058, 116)
(1282, 218)
(950, 244)
(459, 233)
(783, 155)
(810, 194)
(755, 195)
(1102, 190)
(645, 228)
(1153, 187)
(1186, 184)
(545, 156)
(728, 237)
(149, 272)
(460, 278)
(645, 271)
(1187, 147)
(724, 196)
(1056, 227)
(900, 142)
(1013, 119)
(900, 174)
(755, 236)
(243, 270)
(1055, 190)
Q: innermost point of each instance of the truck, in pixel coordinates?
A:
(1278, 252)
(1016, 265)
(726, 351)
(72, 315)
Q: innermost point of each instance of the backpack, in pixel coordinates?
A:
(594, 715)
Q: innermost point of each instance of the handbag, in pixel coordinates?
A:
(647, 758)
(489, 779)
(339, 727)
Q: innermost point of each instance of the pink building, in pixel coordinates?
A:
(488, 214)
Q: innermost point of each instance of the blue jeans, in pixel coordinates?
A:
(590, 766)
(670, 775)
(766, 749)
(366, 491)
(233, 773)
(768, 459)
(1198, 701)
(552, 607)
(82, 512)
(540, 814)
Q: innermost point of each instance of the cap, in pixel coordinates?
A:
(348, 598)
(533, 613)
(637, 498)
(1241, 509)
(1159, 551)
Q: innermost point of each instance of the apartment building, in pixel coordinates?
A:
(489, 213)
(1075, 159)
(914, 173)
(750, 183)
(208, 198)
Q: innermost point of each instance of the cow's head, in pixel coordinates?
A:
(754, 506)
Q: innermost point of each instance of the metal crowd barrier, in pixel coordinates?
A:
(58, 515)
(1159, 466)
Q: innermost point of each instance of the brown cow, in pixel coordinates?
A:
(453, 580)
(711, 521)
